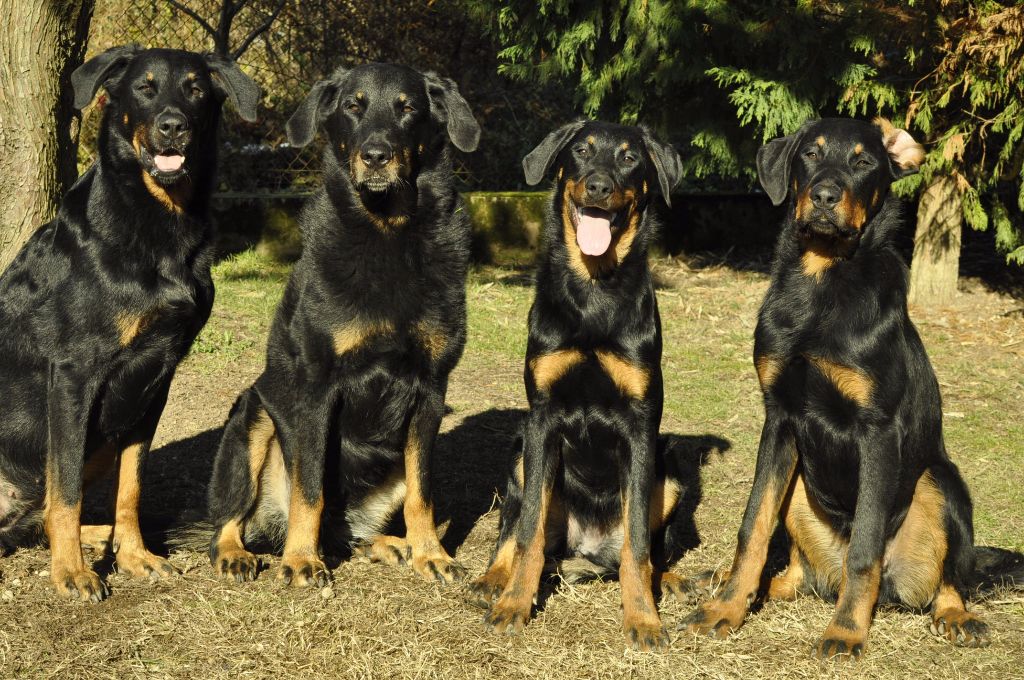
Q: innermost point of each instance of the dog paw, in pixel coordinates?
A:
(678, 587)
(438, 566)
(143, 564)
(80, 584)
(301, 571)
(508, 615)
(961, 628)
(387, 549)
(715, 618)
(646, 635)
(484, 591)
(840, 644)
(240, 565)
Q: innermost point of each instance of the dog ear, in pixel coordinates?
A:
(449, 107)
(667, 165)
(231, 83)
(103, 70)
(905, 154)
(537, 163)
(774, 162)
(320, 103)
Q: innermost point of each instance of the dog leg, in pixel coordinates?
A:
(132, 557)
(776, 462)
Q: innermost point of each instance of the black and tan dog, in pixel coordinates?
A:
(103, 302)
(851, 457)
(592, 480)
(373, 320)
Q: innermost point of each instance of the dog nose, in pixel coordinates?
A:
(599, 186)
(171, 125)
(825, 195)
(375, 154)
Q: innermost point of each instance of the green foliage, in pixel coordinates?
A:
(719, 78)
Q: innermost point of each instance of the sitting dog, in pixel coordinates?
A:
(373, 320)
(592, 481)
(851, 456)
(102, 303)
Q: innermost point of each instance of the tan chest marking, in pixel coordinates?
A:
(431, 338)
(814, 264)
(548, 369)
(131, 325)
(357, 333)
(630, 379)
(852, 383)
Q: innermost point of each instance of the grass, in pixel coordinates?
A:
(381, 622)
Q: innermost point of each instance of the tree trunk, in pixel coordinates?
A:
(936, 263)
(41, 43)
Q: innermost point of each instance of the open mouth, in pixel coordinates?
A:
(166, 166)
(593, 229)
(376, 183)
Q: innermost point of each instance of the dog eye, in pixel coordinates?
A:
(197, 91)
(629, 158)
(862, 163)
(147, 89)
(811, 155)
(582, 151)
(354, 108)
(407, 109)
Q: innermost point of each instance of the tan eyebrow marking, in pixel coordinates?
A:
(858, 149)
(625, 146)
(191, 75)
(402, 97)
(590, 139)
(820, 140)
(360, 95)
(149, 76)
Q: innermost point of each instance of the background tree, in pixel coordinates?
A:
(41, 43)
(721, 78)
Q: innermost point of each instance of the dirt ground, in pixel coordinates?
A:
(378, 621)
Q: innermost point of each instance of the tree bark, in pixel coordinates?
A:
(41, 43)
(936, 264)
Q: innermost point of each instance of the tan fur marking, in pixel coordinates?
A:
(261, 433)
(402, 97)
(813, 537)
(590, 140)
(360, 95)
(631, 379)
(174, 198)
(664, 498)
(768, 369)
(125, 119)
(589, 267)
(874, 198)
(303, 523)
(527, 565)
(229, 542)
(851, 210)
(814, 264)
(638, 611)
(858, 149)
(803, 202)
(130, 326)
(643, 187)
(149, 76)
(915, 555)
(549, 368)
(419, 510)
(431, 337)
(625, 146)
(357, 333)
(852, 383)
(820, 141)
(96, 536)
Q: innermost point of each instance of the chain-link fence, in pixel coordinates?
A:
(305, 41)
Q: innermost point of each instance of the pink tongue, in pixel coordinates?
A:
(168, 163)
(593, 234)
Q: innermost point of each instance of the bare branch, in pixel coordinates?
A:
(198, 19)
(258, 31)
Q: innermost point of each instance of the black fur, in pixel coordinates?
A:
(587, 438)
(102, 303)
(385, 246)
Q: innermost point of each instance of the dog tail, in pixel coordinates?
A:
(996, 568)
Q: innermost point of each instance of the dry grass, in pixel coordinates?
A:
(382, 622)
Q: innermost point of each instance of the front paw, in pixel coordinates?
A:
(841, 644)
(236, 563)
(961, 628)
(143, 564)
(80, 584)
(509, 614)
(680, 588)
(301, 571)
(715, 618)
(484, 591)
(387, 549)
(646, 633)
(438, 566)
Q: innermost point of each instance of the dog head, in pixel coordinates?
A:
(164, 106)
(605, 175)
(384, 123)
(838, 172)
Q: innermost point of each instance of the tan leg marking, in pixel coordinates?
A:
(486, 589)
(847, 634)
(640, 621)
(130, 325)
(951, 620)
(357, 332)
(97, 537)
(512, 609)
(62, 523)
(768, 369)
(816, 541)
(132, 557)
(915, 555)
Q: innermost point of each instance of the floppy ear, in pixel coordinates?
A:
(905, 154)
(230, 82)
(320, 103)
(774, 162)
(667, 165)
(102, 70)
(537, 162)
(451, 108)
